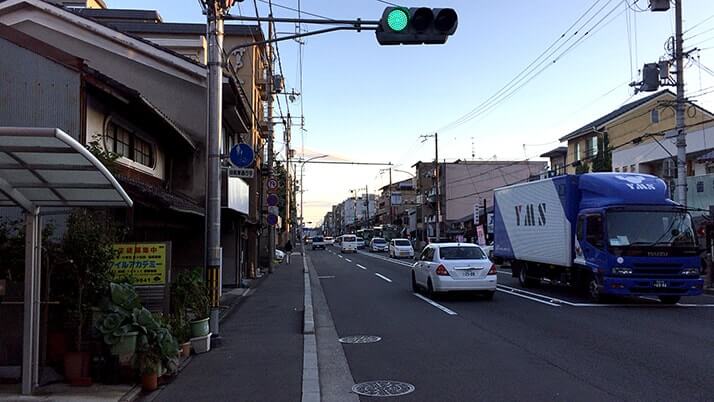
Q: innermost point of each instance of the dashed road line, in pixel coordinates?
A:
(435, 304)
(326, 277)
(340, 256)
(348, 260)
(360, 266)
(383, 277)
(379, 257)
(514, 292)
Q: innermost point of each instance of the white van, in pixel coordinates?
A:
(348, 243)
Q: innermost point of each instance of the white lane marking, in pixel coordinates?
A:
(392, 260)
(362, 267)
(340, 256)
(326, 277)
(247, 292)
(383, 277)
(348, 260)
(548, 298)
(513, 293)
(435, 304)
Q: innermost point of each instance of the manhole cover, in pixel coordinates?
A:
(382, 388)
(360, 339)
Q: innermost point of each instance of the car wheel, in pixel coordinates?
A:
(415, 285)
(430, 289)
(669, 299)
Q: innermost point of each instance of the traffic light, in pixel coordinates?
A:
(416, 25)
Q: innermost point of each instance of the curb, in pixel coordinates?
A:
(132, 395)
(310, 369)
(709, 291)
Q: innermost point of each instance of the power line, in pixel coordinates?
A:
(298, 10)
(699, 23)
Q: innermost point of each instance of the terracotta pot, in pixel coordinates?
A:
(76, 368)
(186, 349)
(149, 382)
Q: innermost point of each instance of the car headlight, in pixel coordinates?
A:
(622, 271)
(690, 271)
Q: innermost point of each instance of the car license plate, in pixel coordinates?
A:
(469, 273)
(660, 284)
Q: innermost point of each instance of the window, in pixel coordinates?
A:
(592, 146)
(617, 170)
(632, 169)
(127, 144)
(593, 229)
(654, 116)
(579, 227)
(461, 253)
(700, 186)
(577, 151)
(624, 169)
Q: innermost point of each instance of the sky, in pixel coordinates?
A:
(364, 102)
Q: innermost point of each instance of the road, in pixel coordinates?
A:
(548, 344)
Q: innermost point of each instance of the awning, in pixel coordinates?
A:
(46, 167)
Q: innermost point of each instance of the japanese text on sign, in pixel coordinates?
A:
(141, 263)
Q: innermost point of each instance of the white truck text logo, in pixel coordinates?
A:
(635, 182)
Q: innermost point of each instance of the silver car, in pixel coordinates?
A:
(450, 267)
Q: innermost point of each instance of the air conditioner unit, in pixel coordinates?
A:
(659, 5)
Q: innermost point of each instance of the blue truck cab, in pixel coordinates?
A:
(611, 233)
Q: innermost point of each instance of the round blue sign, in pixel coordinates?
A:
(242, 155)
(272, 200)
(272, 219)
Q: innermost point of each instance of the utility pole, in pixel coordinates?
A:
(366, 204)
(269, 88)
(438, 184)
(391, 209)
(213, 260)
(681, 131)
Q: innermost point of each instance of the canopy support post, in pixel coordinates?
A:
(31, 333)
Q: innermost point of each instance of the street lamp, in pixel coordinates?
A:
(302, 170)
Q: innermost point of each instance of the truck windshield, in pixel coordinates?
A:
(642, 228)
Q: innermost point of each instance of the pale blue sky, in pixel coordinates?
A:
(365, 102)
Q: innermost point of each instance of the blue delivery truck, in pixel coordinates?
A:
(611, 233)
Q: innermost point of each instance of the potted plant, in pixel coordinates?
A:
(149, 363)
(158, 348)
(118, 322)
(88, 253)
(182, 331)
(190, 297)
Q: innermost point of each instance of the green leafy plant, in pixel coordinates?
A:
(190, 295)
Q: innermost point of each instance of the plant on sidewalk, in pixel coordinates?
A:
(190, 299)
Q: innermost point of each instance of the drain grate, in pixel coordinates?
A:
(383, 388)
(360, 339)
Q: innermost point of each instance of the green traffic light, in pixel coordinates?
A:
(397, 19)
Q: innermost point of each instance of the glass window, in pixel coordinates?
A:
(143, 152)
(654, 116)
(577, 151)
(593, 229)
(632, 169)
(124, 143)
(579, 227)
(650, 228)
(402, 243)
(700, 186)
(461, 253)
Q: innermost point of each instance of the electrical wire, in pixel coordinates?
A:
(698, 24)
(296, 10)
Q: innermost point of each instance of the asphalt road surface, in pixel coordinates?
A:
(544, 344)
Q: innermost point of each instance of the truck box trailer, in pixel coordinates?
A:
(612, 233)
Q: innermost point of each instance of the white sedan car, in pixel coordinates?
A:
(401, 248)
(450, 267)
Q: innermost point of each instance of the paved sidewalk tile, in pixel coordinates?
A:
(260, 357)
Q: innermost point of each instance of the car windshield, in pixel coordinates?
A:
(317, 239)
(402, 243)
(360, 239)
(379, 241)
(642, 228)
(349, 238)
(461, 253)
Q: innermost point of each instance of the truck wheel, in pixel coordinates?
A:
(524, 279)
(669, 299)
(595, 290)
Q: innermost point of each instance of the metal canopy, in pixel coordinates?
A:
(45, 167)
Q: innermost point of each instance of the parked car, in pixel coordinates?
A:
(329, 240)
(347, 243)
(488, 250)
(450, 267)
(318, 242)
(401, 248)
(279, 255)
(360, 243)
(378, 244)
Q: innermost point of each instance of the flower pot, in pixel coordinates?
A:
(185, 349)
(126, 344)
(199, 327)
(201, 344)
(76, 368)
(149, 382)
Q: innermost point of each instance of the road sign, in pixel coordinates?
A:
(272, 200)
(477, 211)
(242, 155)
(272, 184)
(242, 173)
(272, 219)
(274, 210)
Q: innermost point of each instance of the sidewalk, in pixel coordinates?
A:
(260, 357)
